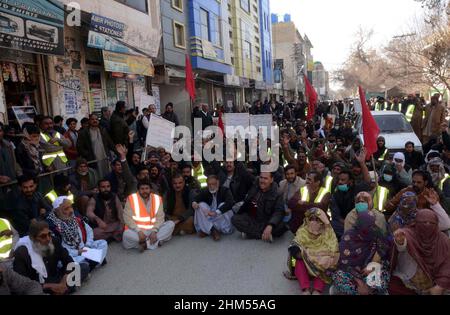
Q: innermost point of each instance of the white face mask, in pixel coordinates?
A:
(83, 173)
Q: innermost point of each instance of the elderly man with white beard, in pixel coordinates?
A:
(439, 175)
(41, 257)
(76, 235)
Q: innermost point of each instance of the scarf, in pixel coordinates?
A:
(360, 244)
(33, 152)
(318, 242)
(69, 229)
(430, 248)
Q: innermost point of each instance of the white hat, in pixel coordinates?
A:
(59, 201)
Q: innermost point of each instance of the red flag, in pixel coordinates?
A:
(190, 82)
(312, 97)
(221, 124)
(371, 130)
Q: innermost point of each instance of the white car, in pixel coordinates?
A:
(394, 128)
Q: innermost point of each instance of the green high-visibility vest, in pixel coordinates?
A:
(5, 241)
(410, 112)
(380, 198)
(382, 157)
(49, 158)
(328, 183)
(200, 175)
(442, 182)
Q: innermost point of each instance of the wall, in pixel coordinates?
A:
(244, 25)
(143, 30)
(180, 99)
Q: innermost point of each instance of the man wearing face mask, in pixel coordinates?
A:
(403, 171)
(213, 210)
(364, 203)
(343, 200)
(105, 212)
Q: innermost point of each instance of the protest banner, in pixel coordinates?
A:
(235, 120)
(260, 122)
(160, 133)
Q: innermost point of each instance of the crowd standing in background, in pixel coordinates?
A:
(358, 228)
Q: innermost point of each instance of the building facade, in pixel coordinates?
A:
(321, 81)
(266, 43)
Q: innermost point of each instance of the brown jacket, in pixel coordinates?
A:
(437, 116)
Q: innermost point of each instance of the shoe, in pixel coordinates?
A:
(182, 233)
(104, 262)
(316, 293)
(203, 235)
(288, 275)
(306, 292)
(244, 235)
(215, 235)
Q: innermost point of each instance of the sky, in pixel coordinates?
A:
(331, 24)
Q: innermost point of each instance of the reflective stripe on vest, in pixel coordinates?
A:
(305, 194)
(382, 157)
(381, 195)
(141, 217)
(410, 112)
(328, 183)
(49, 158)
(200, 175)
(52, 195)
(442, 182)
(5, 241)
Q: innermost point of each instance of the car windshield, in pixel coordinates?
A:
(393, 124)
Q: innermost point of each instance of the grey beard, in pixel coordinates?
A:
(436, 178)
(44, 250)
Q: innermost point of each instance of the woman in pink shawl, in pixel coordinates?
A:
(422, 261)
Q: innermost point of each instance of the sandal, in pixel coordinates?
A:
(288, 275)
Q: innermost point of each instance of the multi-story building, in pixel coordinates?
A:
(246, 45)
(290, 52)
(76, 61)
(209, 45)
(266, 43)
(321, 81)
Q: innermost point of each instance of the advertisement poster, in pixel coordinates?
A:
(72, 88)
(34, 26)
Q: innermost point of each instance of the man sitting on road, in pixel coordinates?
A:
(261, 215)
(145, 225)
(213, 210)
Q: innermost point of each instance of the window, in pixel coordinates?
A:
(247, 50)
(231, 34)
(257, 49)
(230, 21)
(245, 5)
(217, 40)
(178, 5)
(232, 61)
(258, 69)
(179, 35)
(140, 5)
(204, 24)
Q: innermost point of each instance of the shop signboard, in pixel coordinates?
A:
(35, 26)
(115, 62)
(107, 26)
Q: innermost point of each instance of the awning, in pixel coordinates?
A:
(115, 62)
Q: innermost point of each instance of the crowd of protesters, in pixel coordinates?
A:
(359, 226)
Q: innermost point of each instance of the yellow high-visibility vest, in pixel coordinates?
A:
(383, 156)
(380, 198)
(305, 194)
(5, 241)
(52, 195)
(441, 183)
(200, 175)
(49, 158)
(328, 183)
(410, 112)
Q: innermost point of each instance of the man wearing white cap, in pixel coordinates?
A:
(76, 236)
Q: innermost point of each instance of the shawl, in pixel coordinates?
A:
(319, 245)
(69, 229)
(430, 248)
(33, 153)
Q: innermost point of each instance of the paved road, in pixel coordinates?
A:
(192, 266)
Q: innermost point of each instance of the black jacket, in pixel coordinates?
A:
(270, 205)
(207, 120)
(224, 197)
(119, 129)
(241, 182)
(84, 144)
(414, 159)
(20, 210)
